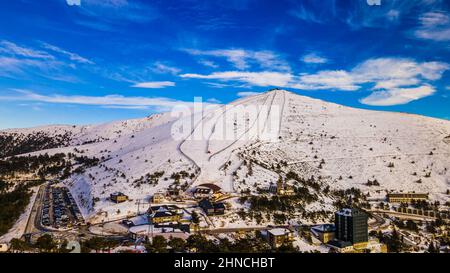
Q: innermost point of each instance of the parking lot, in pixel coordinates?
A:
(59, 209)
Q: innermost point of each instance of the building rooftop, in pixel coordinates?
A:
(163, 214)
(349, 212)
(117, 193)
(279, 231)
(139, 220)
(163, 208)
(211, 186)
(410, 194)
(203, 190)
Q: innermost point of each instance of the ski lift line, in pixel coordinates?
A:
(282, 112)
(223, 149)
(269, 112)
(253, 124)
(192, 132)
(223, 113)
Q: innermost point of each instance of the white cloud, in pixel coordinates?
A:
(112, 15)
(393, 15)
(111, 101)
(433, 70)
(307, 15)
(14, 65)
(73, 2)
(161, 68)
(431, 19)
(397, 68)
(72, 56)
(19, 68)
(12, 49)
(208, 63)
(218, 85)
(235, 56)
(398, 96)
(127, 107)
(327, 79)
(242, 59)
(247, 93)
(108, 3)
(213, 100)
(252, 78)
(393, 80)
(434, 26)
(162, 84)
(392, 83)
(17, 61)
(314, 59)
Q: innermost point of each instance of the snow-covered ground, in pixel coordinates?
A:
(403, 152)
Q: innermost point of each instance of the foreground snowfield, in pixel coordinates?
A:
(344, 146)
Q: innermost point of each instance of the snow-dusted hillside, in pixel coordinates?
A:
(276, 132)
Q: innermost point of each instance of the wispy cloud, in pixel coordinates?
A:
(314, 58)
(308, 14)
(21, 61)
(434, 26)
(162, 84)
(10, 48)
(13, 65)
(208, 63)
(161, 68)
(107, 15)
(396, 96)
(110, 101)
(358, 14)
(243, 59)
(251, 78)
(72, 56)
(213, 100)
(73, 2)
(327, 79)
(235, 56)
(218, 85)
(127, 107)
(247, 93)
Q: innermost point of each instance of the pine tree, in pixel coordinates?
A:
(432, 248)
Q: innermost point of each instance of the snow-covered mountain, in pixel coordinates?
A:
(246, 145)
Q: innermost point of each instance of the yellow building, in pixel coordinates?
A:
(372, 246)
(406, 197)
(279, 236)
(161, 217)
(118, 197)
(324, 233)
(158, 198)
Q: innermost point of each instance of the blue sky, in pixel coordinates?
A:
(91, 61)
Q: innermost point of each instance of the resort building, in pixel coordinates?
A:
(351, 226)
(406, 197)
(118, 197)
